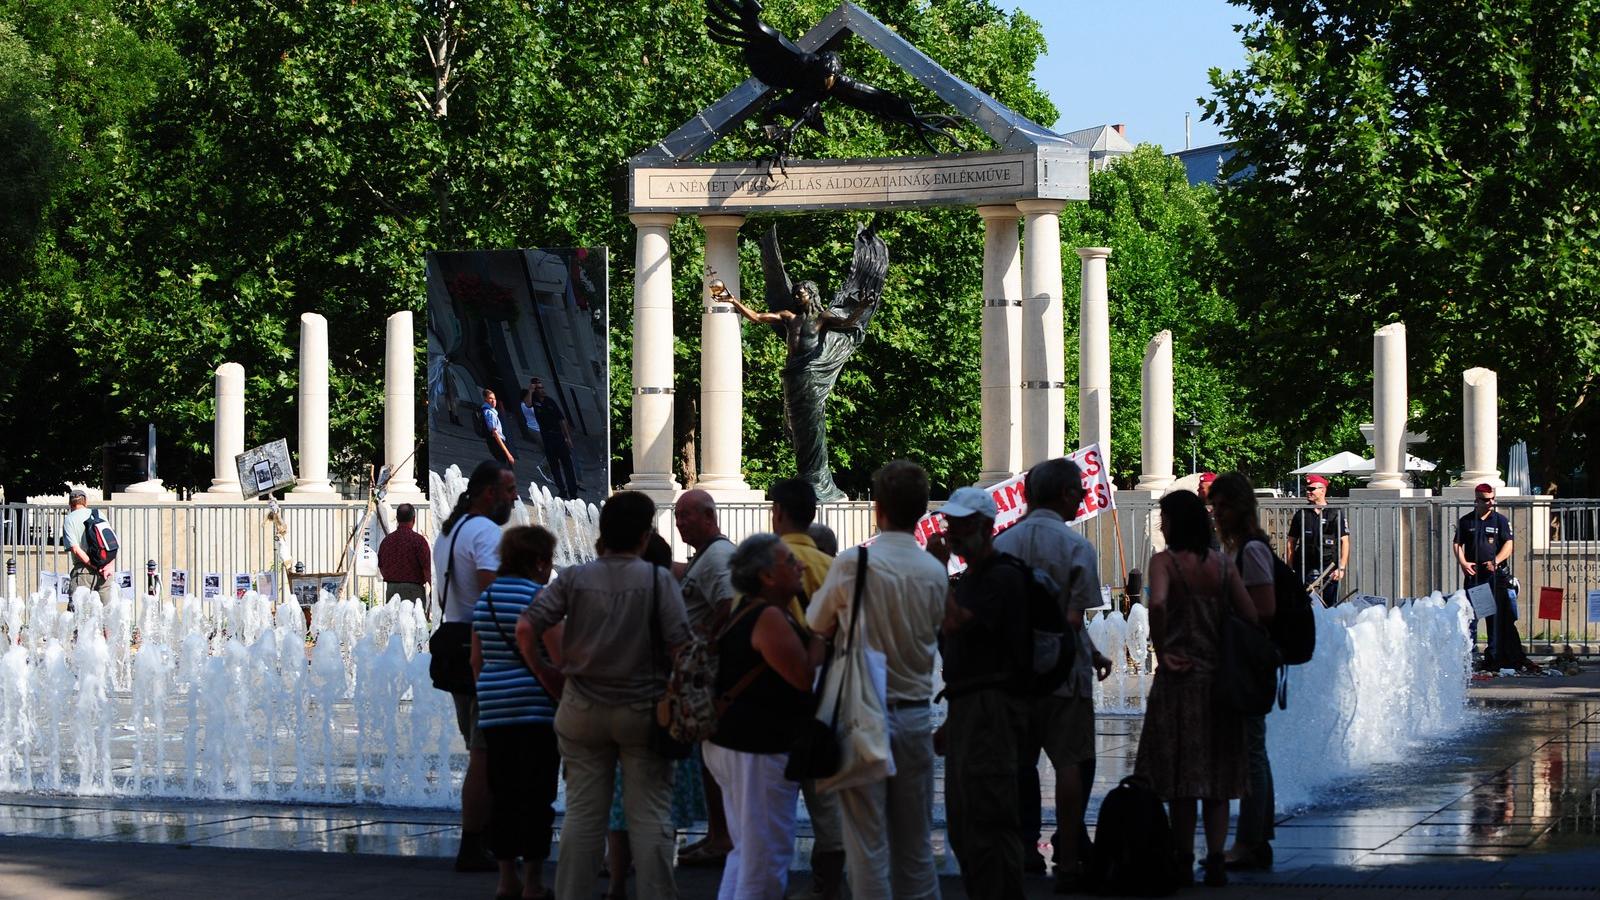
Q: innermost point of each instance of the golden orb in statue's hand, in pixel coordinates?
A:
(717, 287)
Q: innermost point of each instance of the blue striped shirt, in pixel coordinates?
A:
(508, 694)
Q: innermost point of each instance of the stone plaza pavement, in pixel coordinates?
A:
(1510, 808)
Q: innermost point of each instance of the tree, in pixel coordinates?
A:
(1430, 163)
(265, 159)
(1162, 275)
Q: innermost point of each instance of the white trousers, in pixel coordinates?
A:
(760, 805)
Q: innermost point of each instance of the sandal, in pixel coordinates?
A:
(702, 855)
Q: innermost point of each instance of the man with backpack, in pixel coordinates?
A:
(489, 427)
(1061, 723)
(987, 645)
(83, 534)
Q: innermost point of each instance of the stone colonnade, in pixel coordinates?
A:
(1023, 364)
(399, 418)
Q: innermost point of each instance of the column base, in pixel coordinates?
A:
(303, 496)
(990, 479)
(226, 497)
(660, 488)
(741, 494)
(412, 495)
(1389, 493)
(1142, 494)
(1460, 491)
(145, 492)
(1154, 487)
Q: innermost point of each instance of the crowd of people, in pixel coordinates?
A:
(569, 672)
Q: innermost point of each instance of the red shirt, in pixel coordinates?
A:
(404, 556)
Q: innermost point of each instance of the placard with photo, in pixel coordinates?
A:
(211, 586)
(178, 584)
(241, 584)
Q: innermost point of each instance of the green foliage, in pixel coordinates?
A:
(1431, 163)
(1162, 275)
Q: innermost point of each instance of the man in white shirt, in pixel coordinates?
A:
(466, 557)
(887, 825)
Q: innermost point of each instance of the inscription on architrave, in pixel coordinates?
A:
(950, 181)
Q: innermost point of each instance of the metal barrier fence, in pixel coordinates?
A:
(1399, 548)
(197, 538)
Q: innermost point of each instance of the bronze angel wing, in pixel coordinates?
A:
(863, 284)
(778, 288)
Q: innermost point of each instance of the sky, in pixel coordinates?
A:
(1141, 63)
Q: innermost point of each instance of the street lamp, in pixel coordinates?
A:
(1193, 427)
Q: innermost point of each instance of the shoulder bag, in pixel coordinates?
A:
(450, 647)
(661, 741)
(858, 681)
(816, 752)
(1247, 679)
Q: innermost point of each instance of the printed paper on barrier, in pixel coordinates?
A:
(124, 579)
(1594, 606)
(211, 586)
(1550, 603)
(1482, 597)
(241, 584)
(178, 584)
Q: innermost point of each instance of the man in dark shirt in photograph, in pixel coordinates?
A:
(557, 435)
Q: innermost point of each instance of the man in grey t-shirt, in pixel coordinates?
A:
(707, 595)
(1062, 723)
(83, 574)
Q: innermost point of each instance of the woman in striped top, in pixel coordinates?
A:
(517, 714)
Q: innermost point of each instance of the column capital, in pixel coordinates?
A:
(1035, 207)
(653, 220)
(999, 212)
(720, 220)
(1088, 253)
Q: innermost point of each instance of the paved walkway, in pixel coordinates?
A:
(1511, 808)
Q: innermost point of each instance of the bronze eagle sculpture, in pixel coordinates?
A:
(809, 80)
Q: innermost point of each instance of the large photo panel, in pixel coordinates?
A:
(528, 327)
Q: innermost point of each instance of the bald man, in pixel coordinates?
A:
(707, 595)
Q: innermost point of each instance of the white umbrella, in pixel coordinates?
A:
(1337, 464)
(1413, 464)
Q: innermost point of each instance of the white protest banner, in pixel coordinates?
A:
(241, 584)
(1482, 598)
(1011, 501)
(211, 586)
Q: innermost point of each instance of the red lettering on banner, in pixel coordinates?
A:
(1091, 464)
(1009, 496)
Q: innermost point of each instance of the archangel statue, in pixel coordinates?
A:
(821, 339)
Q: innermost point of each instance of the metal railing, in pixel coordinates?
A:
(197, 538)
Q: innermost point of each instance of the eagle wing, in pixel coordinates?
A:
(777, 61)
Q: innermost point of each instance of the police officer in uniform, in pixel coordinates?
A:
(1319, 537)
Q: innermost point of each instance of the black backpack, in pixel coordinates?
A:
(1133, 846)
(1293, 628)
(480, 424)
(100, 543)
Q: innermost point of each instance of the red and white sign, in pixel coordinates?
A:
(1011, 500)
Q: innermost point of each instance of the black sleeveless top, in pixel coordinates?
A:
(770, 714)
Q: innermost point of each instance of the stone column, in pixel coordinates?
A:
(1480, 436)
(1155, 456)
(313, 440)
(1389, 408)
(1043, 364)
(722, 369)
(400, 409)
(1002, 345)
(227, 436)
(1094, 352)
(652, 356)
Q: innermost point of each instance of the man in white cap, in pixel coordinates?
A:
(86, 572)
(987, 645)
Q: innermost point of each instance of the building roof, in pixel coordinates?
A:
(1100, 139)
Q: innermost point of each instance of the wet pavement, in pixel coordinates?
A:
(1510, 807)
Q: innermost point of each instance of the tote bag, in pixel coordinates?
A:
(858, 680)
